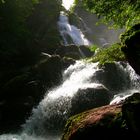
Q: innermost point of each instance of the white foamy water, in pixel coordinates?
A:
(70, 33)
(119, 98)
(134, 85)
(53, 111)
(49, 117)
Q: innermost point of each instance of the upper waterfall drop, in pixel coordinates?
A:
(70, 33)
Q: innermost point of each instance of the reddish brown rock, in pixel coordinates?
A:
(106, 122)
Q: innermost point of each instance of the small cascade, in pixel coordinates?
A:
(79, 87)
(50, 116)
(70, 33)
(134, 85)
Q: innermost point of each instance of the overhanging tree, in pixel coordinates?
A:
(118, 13)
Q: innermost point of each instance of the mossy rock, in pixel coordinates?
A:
(108, 55)
(118, 120)
(89, 98)
(103, 122)
(131, 46)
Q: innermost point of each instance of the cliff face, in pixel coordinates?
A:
(43, 24)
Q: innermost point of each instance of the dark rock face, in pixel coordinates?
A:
(73, 51)
(88, 98)
(131, 46)
(131, 113)
(119, 121)
(113, 77)
(67, 62)
(43, 25)
(86, 51)
(23, 92)
(49, 71)
(18, 96)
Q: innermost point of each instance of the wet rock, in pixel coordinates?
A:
(86, 51)
(90, 97)
(73, 51)
(21, 93)
(113, 76)
(66, 61)
(119, 121)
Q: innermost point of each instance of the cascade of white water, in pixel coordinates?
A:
(48, 118)
(134, 85)
(53, 111)
(70, 33)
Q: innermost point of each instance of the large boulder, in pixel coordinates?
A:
(90, 97)
(131, 46)
(73, 51)
(49, 71)
(24, 91)
(113, 76)
(17, 98)
(118, 120)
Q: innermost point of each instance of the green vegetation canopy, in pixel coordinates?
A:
(118, 12)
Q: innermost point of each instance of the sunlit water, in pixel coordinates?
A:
(49, 117)
(70, 33)
(67, 4)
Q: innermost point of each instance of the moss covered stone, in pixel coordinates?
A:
(131, 46)
(103, 122)
(108, 55)
(106, 122)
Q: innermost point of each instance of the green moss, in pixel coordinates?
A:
(108, 55)
(69, 125)
(93, 48)
(118, 122)
(130, 34)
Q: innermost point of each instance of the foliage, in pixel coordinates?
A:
(13, 14)
(15, 37)
(93, 48)
(117, 12)
(108, 55)
(132, 34)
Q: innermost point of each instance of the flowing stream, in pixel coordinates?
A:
(49, 117)
(81, 87)
(70, 33)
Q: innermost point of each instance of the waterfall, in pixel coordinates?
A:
(49, 117)
(70, 33)
(133, 87)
